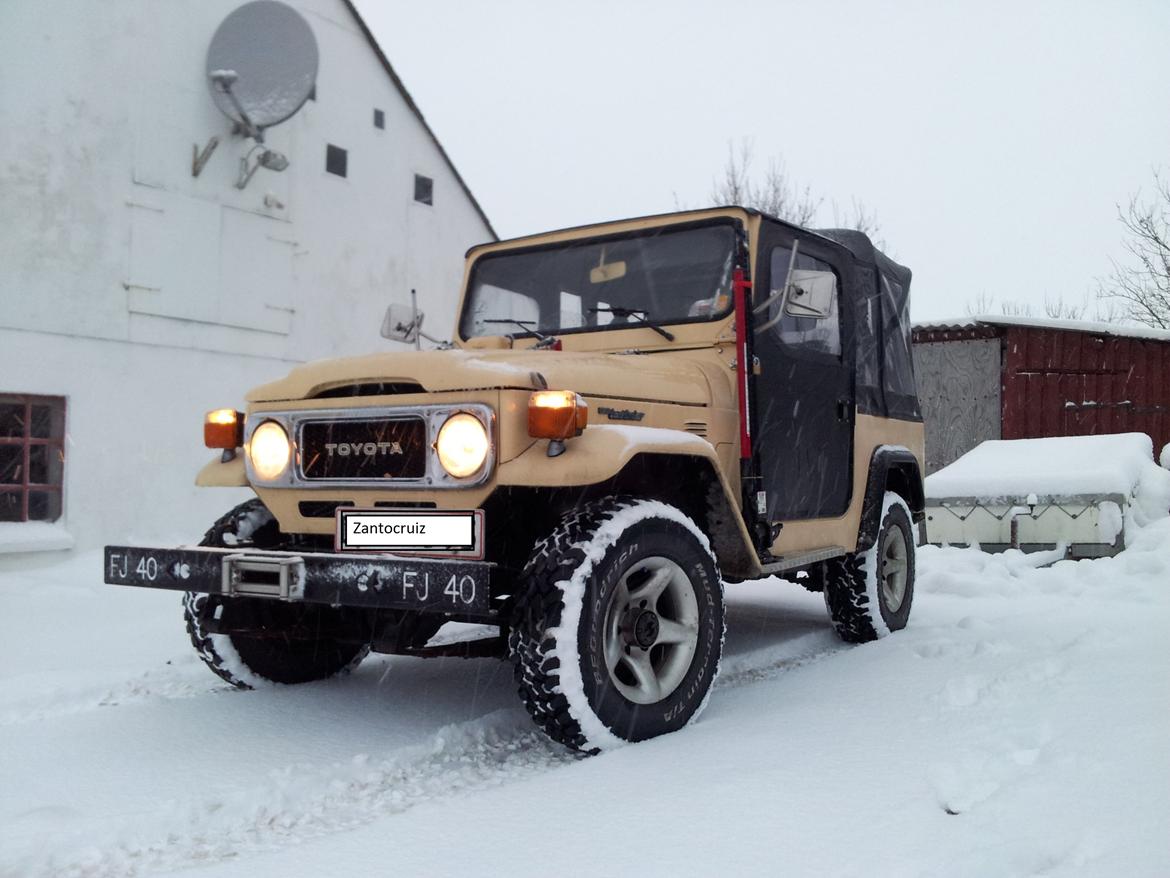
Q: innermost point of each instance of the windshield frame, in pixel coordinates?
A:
(739, 245)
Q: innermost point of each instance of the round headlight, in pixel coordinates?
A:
(462, 445)
(269, 450)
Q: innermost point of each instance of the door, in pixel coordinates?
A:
(804, 390)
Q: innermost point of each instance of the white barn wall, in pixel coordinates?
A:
(145, 295)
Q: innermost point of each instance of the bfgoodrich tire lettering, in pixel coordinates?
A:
(595, 576)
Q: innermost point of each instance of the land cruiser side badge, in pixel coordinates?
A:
(620, 414)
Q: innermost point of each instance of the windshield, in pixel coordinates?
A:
(661, 275)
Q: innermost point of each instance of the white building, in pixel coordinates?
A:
(134, 296)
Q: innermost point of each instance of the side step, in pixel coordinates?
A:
(792, 562)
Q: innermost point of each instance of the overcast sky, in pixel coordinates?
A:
(993, 141)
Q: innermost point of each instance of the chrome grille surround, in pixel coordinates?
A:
(433, 416)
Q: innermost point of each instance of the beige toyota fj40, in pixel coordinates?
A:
(629, 415)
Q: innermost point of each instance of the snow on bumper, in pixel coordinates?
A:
(425, 585)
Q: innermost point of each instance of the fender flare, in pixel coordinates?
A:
(599, 453)
(888, 461)
(604, 451)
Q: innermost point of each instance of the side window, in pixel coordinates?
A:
(820, 335)
(898, 368)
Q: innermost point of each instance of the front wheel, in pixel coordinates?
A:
(618, 625)
(282, 642)
(869, 593)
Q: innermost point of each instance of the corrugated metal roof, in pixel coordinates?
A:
(1117, 330)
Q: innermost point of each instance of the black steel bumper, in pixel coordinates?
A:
(453, 587)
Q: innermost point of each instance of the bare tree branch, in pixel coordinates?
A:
(862, 219)
(980, 305)
(774, 193)
(1054, 308)
(1059, 309)
(1141, 285)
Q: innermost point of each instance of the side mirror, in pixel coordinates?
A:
(811, 294)
(402, 323)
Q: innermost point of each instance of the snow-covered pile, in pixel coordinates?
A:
(1010, 470)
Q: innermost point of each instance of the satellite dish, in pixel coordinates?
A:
(261, 65)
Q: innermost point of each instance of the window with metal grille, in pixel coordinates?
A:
(424, 189)
(336, 159)
(32, 457)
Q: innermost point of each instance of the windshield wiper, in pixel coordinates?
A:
(638, 314)
(543, 341)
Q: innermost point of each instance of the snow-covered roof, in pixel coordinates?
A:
(1116, 329)
(1063, 466)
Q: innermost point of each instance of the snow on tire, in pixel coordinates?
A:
(868, 594)
(247, 662)
(618, 625)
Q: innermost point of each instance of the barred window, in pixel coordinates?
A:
(32, 457)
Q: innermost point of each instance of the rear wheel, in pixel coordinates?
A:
(618, 626)
(282, 642)
(869, 593)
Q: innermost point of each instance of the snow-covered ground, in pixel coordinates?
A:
(1017, 727)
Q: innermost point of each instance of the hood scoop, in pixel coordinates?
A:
(369, 388)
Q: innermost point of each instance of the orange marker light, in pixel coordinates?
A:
(223, 428)
(557, 414)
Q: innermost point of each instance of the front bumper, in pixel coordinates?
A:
(456, 588)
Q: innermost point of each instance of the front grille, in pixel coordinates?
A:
(382, 448)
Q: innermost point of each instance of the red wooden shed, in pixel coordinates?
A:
(1024, 378)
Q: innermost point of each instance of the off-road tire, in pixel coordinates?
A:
(247, 661)
(559, 615)
(854, 597)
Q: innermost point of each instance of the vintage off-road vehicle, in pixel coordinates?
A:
(629, 415)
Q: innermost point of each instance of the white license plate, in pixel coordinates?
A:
(400, 531)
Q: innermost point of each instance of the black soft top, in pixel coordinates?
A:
(876, 292)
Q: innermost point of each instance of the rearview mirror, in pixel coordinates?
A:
(811, 294)
(606, 272)
(402, 323)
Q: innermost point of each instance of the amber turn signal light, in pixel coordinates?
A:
(557, 414)
(223, 428)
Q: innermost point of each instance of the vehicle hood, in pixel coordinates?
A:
(648, 377)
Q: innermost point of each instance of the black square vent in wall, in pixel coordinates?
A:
(335, 159)
(424, 189)
(379, 119)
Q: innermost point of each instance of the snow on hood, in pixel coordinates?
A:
(659, 377)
